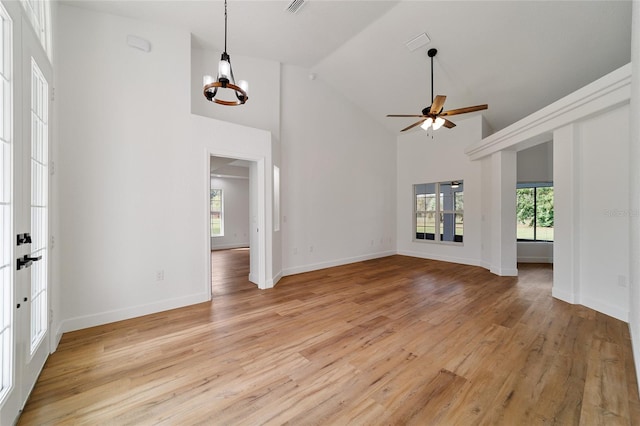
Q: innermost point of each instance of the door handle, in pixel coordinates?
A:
(26, 261)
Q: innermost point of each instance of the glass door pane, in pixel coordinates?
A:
(39, 204)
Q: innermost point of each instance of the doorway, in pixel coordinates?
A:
(534, 199)
(232, 217)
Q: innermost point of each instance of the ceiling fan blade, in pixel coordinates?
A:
(437, 104)
(404, 115)
(464, 110)
(414, 125)
(449, 124)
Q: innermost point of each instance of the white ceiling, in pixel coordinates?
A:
(223, 167)
(517, 56)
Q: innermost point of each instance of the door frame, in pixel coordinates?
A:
(259, 252)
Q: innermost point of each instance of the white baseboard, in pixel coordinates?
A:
(533, 259)
(565, 296)
(55, 339)
(504, 272)
(634, 331)
(272, 282)
(229, 246)
(451, 259)
(337, 262)
(613, 311)
(107, 317)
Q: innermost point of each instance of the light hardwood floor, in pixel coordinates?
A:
(396, 340)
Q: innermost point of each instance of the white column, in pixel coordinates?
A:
(634, 188)
(566, 217)
(503, 213)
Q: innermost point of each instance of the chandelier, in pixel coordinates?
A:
(225, 79)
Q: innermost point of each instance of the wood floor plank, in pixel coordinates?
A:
(605, 402)
(396, 340)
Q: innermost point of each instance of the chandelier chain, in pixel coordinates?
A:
(225, 25)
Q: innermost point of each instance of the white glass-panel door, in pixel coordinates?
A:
(25, 73)
(32, 281)
(6, 211)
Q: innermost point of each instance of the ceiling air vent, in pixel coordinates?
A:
(295, 6)
(417, 42)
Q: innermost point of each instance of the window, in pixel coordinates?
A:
(534, 212)
(439, 211)
(276, 198)
(217, 219)
(39, 14)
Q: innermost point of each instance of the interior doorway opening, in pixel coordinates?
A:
(535, 204)
(232, 206)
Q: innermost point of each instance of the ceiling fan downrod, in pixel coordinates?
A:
(432, 53)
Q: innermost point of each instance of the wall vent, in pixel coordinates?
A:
(295, 6)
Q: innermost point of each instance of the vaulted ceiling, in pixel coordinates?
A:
(517, 56)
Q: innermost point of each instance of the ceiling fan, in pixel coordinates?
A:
(433, 116)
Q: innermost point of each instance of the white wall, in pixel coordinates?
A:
(133, 170)
(261, 111)
(235, 193)
(591, 181)
(422, 159)
(535, 165)
(338, 178)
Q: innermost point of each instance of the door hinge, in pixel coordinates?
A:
(53, 94)
(52, 168)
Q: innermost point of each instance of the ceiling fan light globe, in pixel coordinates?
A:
(427, 123)
(439, 121)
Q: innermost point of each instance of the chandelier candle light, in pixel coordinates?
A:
(225, 78)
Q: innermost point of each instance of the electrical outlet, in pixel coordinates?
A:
(160, 275)
(622, 281)
(310, 249)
